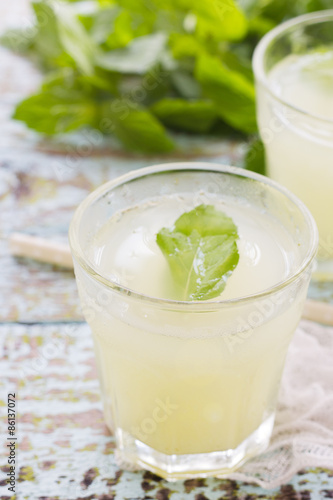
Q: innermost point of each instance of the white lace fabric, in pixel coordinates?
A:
(303, 430)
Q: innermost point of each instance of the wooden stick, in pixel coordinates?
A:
(321, 312)
(59, 253)
(52, 252)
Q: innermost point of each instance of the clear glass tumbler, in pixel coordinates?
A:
(190, 388)
(296, 119)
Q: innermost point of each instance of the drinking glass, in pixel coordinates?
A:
(190, 387)
(299, 143)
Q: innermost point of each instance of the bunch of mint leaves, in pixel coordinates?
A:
(136, 69)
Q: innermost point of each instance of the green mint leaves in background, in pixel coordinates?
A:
(201, 251)
(255, 159)
(136, 69)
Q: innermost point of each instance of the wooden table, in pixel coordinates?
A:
(65, 451)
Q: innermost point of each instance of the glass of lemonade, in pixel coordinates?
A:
(190, 387)
(293, 66)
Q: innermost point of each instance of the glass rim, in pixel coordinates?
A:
(196, 305)
(261, 48)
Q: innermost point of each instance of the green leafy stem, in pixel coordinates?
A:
(136, 69)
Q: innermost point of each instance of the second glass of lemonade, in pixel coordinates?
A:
(293, 66)
(190, 387)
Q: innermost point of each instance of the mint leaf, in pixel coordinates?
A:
(59, 107)
(185, 84)
(127, 26)
(201, 250)
(255, 159)
(74, 39)
(221, 19)
(238, 64)
(135, 127)
(138, 57)
(232, 93)
(184, 45)
(61, 37)
(103, 23)
(260, 26)
(193, 116)
(18, 39)
(46, 40)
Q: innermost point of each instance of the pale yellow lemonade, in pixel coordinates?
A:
(180, 383)
(299, 146)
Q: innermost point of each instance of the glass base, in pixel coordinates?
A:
(133, 452)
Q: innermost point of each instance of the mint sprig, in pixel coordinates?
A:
(141, 67)
(201, 251)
